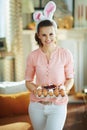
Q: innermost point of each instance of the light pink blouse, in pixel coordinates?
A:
(59, 68)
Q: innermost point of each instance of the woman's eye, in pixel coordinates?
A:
(43, 35)
(51, 34)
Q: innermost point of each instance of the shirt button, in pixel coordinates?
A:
(47, 75)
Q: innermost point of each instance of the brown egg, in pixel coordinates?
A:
(62, 92)
(50, 92)
(39, 92)
(45, 92)
(56, 92)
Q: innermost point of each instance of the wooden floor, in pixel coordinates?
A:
(76, 117)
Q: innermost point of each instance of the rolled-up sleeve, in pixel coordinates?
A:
(69, 66)
(30, 69)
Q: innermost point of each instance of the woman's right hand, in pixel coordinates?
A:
(31, 86)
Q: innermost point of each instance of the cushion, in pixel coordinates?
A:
(12, 87)
(20, 122)
(14, 104)
(17, 126)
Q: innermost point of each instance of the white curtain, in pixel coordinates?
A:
(14, 36)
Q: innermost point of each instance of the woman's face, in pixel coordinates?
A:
(47, 35)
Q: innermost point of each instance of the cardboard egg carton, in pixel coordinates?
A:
(49, 93)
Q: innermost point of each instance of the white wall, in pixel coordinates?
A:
(2, 18)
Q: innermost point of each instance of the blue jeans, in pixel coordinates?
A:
(47, 117)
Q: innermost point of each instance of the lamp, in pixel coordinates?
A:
(27, 6)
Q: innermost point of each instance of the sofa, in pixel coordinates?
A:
(14, 112)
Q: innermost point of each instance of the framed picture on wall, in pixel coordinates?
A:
(63, 7)
(69, 4)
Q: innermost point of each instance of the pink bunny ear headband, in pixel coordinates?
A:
(47, 14)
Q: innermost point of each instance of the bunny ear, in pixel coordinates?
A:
(37, 16)
(49, 9)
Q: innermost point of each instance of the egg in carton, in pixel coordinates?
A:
(56, 92)
(62, 92)
(50, 92)
(39, 91)
(45, 92)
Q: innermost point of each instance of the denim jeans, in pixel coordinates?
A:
(47, 117)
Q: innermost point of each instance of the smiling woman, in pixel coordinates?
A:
(51, 65)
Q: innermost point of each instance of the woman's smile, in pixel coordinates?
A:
(48, 41)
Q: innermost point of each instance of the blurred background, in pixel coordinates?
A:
(17, 30)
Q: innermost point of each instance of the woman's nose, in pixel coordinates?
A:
(48, 37)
